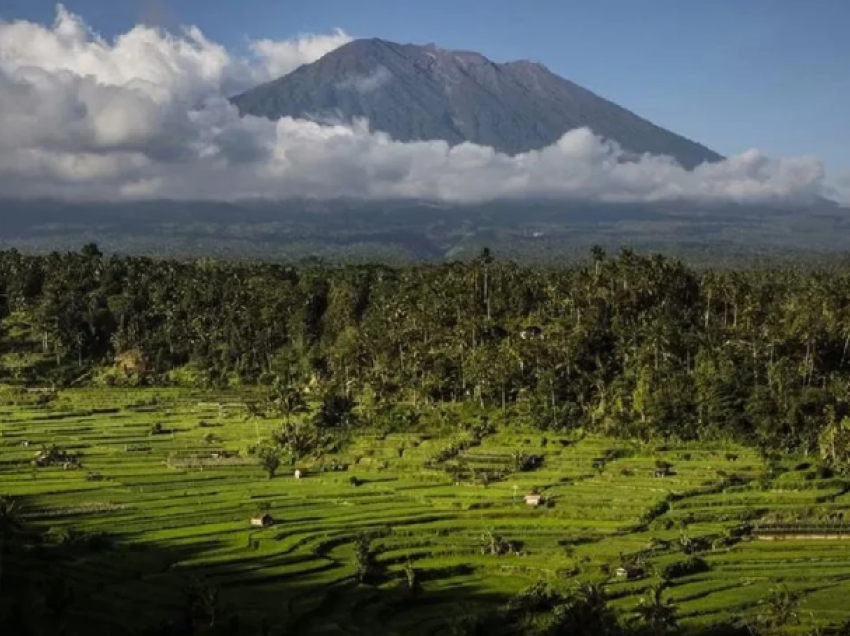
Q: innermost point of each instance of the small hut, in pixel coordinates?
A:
(262, 521)
(533, 499)
(629, 572)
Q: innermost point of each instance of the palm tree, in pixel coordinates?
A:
(586, 612)
(204, 604)
(268, 457)
(288, 399)
(657, 614)
(780, 610)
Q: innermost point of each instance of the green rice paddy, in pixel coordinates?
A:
(178, 505)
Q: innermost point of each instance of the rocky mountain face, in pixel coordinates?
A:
(426, 93)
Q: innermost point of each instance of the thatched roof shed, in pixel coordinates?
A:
(533, 499)
(262, 521)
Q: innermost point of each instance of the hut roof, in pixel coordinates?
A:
(262, 520)
(533, 499)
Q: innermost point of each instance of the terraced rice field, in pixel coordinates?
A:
(175, 511)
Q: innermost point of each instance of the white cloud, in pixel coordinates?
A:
(145, 59)
(841, 188)
(146, 116)
(368, 82)
(281, 58)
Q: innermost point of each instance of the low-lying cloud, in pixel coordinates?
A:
(842, 188)
(368, 82)
(147, 116)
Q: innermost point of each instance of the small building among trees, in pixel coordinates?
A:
(629, 572)
(533, 499)
(262, 521)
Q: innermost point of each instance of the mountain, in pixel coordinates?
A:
(424, 92)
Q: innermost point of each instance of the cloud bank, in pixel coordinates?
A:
(147, 116)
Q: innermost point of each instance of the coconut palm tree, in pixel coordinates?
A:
(779, 610)
(656, 613)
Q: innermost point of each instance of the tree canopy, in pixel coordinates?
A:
(630, 345)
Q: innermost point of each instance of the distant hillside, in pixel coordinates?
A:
(424, 93)
(401, 231)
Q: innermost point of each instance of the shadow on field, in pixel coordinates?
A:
(65, 581)
(61, 580)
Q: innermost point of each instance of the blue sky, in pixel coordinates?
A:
(732, 74)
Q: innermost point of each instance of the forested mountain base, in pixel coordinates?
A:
(667, 419)
(633, 346)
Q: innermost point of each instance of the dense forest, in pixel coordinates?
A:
(631, 345)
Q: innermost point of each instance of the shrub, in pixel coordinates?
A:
(825, 472)
(269, 459)
(677, 569)
(522, 462)
(71, 538)
(538, 597)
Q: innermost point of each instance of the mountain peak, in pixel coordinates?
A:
(424, 92)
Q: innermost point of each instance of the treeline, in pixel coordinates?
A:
(631, 345)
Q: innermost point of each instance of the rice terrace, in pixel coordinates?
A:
(324, 451)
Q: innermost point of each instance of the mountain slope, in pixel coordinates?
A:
(423, 93)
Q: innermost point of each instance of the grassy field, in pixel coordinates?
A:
(175, 509)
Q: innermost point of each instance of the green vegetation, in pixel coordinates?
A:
(165, 532)
(638, 347)
(470, 448)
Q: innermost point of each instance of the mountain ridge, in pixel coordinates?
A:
(423, 92)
